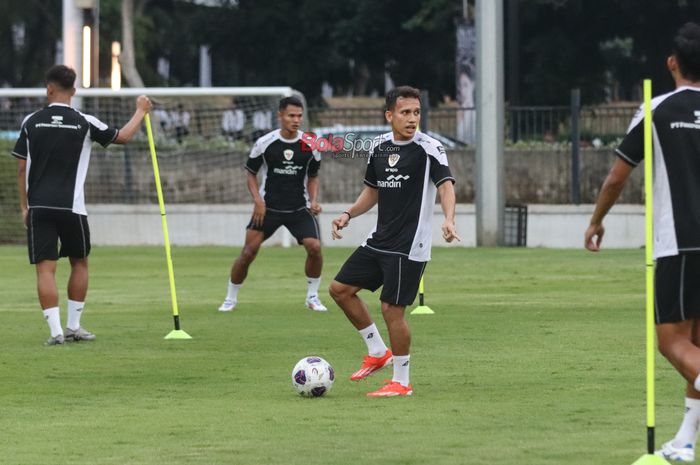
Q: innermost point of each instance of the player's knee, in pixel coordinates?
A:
(670, 348)
(339, 291)
(248, 255)
(313, 249)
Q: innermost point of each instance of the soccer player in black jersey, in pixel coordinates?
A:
(286, 197)
(53, 153)
(676, 191)
(404, 171)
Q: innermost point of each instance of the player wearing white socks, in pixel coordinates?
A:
(676, 227)
(286, 197)
(405, 170)
(53, 207)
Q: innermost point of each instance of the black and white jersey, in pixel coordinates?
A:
(676, 142)
(407, 174)
(286, 166)
(56, 143)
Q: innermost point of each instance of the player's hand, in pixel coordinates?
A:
(449, 231)
(338, 224)
(25, 214)
(258, 213)
(144, 103)
(594, 236)
(315, 208)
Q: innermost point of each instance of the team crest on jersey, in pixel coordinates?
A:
(394, 159)
(288, 154)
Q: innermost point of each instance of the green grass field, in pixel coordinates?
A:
(533, 357)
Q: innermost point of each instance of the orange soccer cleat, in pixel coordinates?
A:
(392, 389)
(370, 365)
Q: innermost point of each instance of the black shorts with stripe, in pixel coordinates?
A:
(370, 269)
(301, 223)
(47, 226)
(677, 294)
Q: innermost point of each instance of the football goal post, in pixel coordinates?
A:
(203, 135)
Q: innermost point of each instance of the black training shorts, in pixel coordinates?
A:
(301, 223)
(46, 226)
(677, 293)
(370, 269)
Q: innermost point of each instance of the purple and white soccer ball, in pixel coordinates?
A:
(312, 377)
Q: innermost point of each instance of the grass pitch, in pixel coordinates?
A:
(532, 357)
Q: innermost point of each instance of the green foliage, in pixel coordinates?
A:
(593, 44)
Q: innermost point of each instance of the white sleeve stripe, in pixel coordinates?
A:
(626, 158)
(370, 184)
(248, 168)
(19, 155)
(95, 122)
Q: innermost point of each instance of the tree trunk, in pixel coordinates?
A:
(128, 56)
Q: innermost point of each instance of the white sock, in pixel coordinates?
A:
(688, 432)
(314, 283)
(232, 293)
(53, 318)
(401, 366)
(75, 309)
(375, 344)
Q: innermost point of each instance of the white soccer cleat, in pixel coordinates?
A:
(228, 305)
(315, 304)
(683, 454)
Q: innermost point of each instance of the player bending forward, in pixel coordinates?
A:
(404, 171)
(287, 197)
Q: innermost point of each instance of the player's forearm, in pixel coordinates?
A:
(22, 183)
(312, 187)
(448, 200)
(254, 188)
(610, 191)
(127, 132)
(365, 201)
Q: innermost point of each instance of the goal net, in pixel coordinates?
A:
(202, 135)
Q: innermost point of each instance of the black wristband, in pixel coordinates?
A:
(349, 216)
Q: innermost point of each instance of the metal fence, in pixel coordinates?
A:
(602, 124)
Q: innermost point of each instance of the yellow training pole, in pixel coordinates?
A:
(177, 333)
(649, 458)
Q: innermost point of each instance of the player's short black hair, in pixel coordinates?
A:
(62, 76)
(401, 91)
(686, 49)
(294, 101)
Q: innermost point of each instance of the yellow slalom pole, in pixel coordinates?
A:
(177, 333)
(649, 458)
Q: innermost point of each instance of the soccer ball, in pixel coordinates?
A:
(312, 377)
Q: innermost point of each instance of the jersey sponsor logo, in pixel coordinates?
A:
(684, 125)
(398, 177)
(288, 170)
(392, 184)
(288, 154)
(394, 159)
(56, 122)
